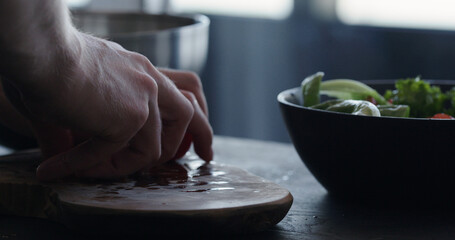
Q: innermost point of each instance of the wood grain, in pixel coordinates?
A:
(189, 195)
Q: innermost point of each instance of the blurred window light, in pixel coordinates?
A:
(272, 9)
(424, 14)
(76, 3)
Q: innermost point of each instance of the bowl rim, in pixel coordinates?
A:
(201, 21)
(281, 98)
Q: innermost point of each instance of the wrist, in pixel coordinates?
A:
(39, 44)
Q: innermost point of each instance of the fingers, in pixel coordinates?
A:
(190, 82)
(171, 113)
(200, 129)
(147, 141)
(190, 86)
(175, 121)
(106, 159)
(84, 156)
(144, 149)
(172, 135)
(176, 113)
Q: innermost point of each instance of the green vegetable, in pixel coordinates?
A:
(394, 110)
(412, 97)
(355, 107)
(423, 99)
(350, 89)
(327, 104)
(310, 89)
(450, 95)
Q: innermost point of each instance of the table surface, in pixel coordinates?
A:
(314, 214)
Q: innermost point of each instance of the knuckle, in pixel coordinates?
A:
(140, 58)
(191, 96)
(147, 83)
(187, 112)
(140, 116)
(136, 118)
(116, 46)
(194, 80)
(152, 86)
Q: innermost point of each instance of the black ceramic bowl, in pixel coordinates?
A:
(379, 158)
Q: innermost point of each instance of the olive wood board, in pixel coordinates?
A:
(185, 196)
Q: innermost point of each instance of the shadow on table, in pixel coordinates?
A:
(415, 219)
(24, 228)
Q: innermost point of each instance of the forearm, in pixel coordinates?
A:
(36, 37)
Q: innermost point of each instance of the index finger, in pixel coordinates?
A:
(188, 81)
(200, 130)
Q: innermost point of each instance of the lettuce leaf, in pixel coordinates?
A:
(350, 89)
(423, 99)
(310, 89)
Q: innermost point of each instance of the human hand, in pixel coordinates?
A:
(131, 115)
(190, 85)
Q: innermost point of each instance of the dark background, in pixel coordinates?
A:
(251, 60)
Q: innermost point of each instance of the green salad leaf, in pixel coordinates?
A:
(350, 89)
(423, 99)
(451, 102)
(354, 107)
(412, 97)
(394, 110)
(310, 89)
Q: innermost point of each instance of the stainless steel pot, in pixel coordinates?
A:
(173, 41)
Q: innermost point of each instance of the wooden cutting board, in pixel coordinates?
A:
(182, 197)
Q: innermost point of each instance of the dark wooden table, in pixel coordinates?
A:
(314, 214)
